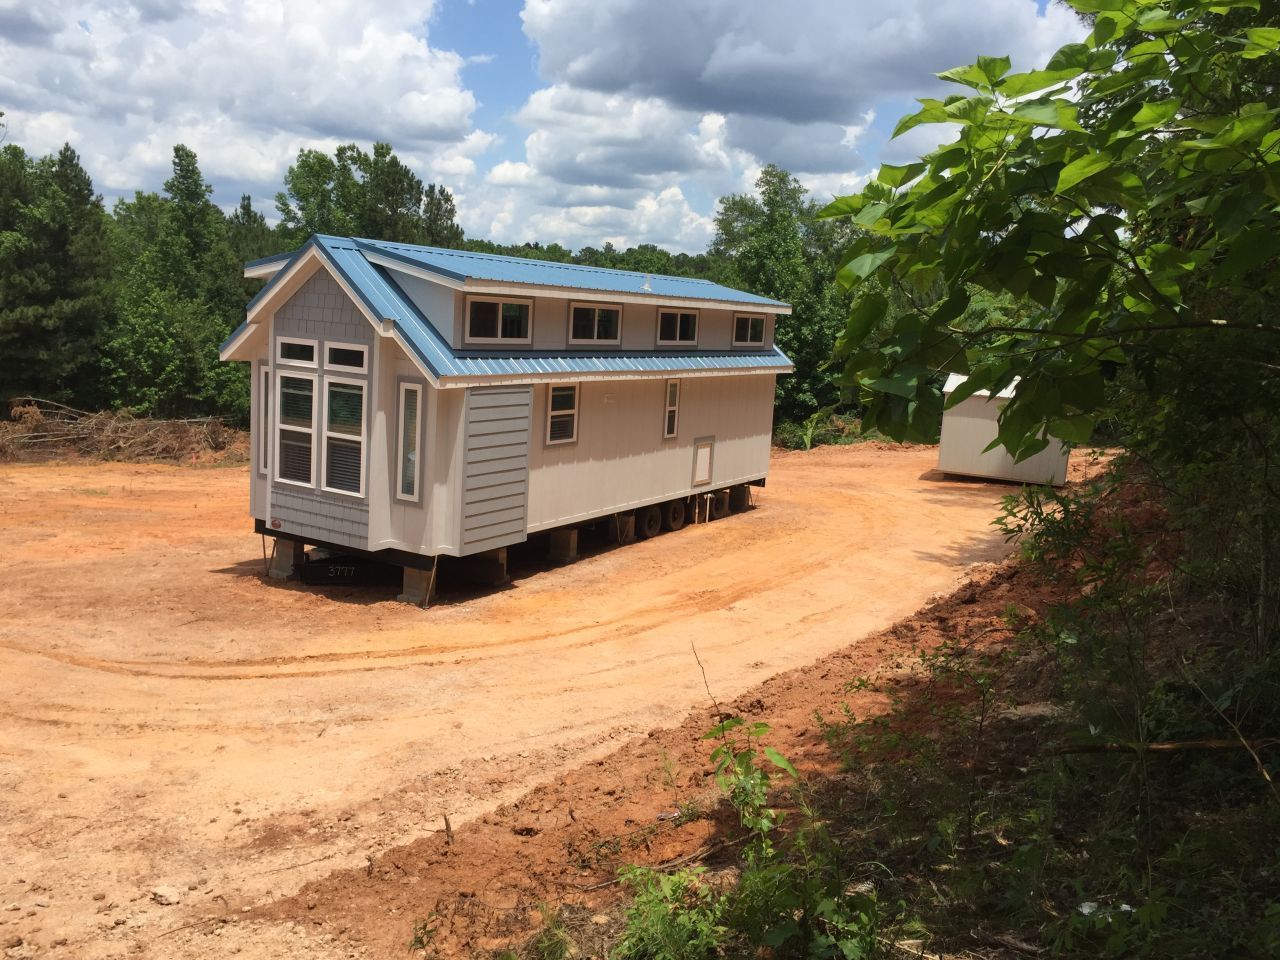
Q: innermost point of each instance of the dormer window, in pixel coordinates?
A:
(748, 330)
(499, 320)
(595, 323)
(677, 328)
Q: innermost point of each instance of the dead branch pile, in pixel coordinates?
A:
(42, 429)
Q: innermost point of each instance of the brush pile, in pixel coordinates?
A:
(42, 429)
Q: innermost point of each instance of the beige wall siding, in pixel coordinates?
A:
(494, 493)
(436, 301)
(620, 459)
(970, 426)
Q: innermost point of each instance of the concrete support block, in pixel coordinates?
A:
(487, 569)
(564, 545)
(286, 557)
(418, 587)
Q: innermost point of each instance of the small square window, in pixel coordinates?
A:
(748, 329)
(562, 414)
(676, 326)
(496, 321)
(589, 323)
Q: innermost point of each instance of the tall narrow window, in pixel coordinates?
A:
(296, 416)
(264, 416)
(748, 330)
(562, 414)
(407, 453)
(344, 436)
(671, 416)
(677, 327)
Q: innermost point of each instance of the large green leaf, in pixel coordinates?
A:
(1081, 169)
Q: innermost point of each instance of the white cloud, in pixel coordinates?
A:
(244, 84)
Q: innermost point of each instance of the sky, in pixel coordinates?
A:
(568, 121)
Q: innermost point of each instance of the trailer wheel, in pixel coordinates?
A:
(739, 498)
(674, 513)
(648, 522)
(719, 505)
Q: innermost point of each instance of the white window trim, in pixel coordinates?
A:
(362, 348)
(276, 426)
(325, 434)
(577, 406)
(466, 320)
(668, 406)
(315, 352)
(764, 329)
(406, 387)
(573, 305)
(264, 417)
(697, 327)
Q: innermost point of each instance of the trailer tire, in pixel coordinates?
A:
(648, 522)
(739, 498)
(674, 514)
(719, 508)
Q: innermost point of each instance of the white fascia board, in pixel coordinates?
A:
(229, 352)
(265, 271)
(515, 379)
(492, 288)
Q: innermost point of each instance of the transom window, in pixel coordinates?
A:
(748, 329)
(344, 436)
(595, 323)
(671, 416)
(677, 326)
(297, 352)
(499, 321)
(346, 356)
(562, 414)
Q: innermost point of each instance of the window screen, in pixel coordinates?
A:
(562, 415)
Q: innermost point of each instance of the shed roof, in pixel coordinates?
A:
(383, 298)
(955, 379)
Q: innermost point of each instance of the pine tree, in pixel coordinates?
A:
(54, 272)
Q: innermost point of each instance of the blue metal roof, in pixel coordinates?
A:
(468, 265)
(383, 298)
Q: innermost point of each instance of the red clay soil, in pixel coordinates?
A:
(483, 885)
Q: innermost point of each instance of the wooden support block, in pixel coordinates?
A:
(564, 545)
(286, 557)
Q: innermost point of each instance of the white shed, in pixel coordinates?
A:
(970, 426)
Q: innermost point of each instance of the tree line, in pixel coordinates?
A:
(124, 308)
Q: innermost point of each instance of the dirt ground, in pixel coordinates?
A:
(173, 727)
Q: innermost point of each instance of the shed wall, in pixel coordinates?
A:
(970, 426)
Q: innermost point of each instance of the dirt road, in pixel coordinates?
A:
(173, 727)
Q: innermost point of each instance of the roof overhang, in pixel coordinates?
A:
(267, 267)
(514, 379)
(482, 287)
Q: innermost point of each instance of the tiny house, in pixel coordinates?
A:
(970, 427)
(412, 402)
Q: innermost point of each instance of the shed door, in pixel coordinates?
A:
(495, 492)
(703, 448)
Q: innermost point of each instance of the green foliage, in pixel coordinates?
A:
(791, 903)
(55, 262)
(775, 246)
(374, 195)
(178, 295)
(673, 916)
(1127, 191)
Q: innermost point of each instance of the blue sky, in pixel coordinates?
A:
(569, 121)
